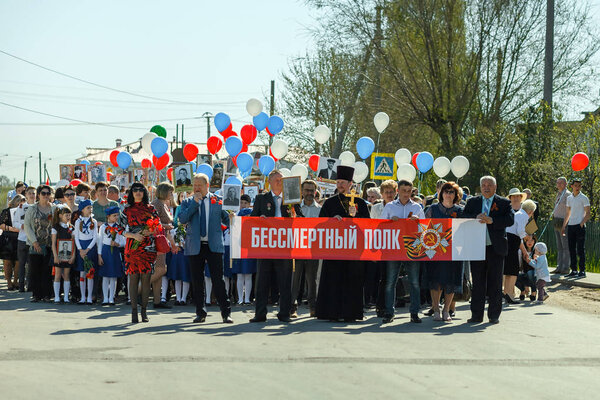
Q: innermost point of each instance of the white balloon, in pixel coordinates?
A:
(322, 134)
(61, 183)
(301, 171)
(285, 172)
(254, 107)
(147, 142)
(347, 158)
(407, 172)
(459, 166)
(441, 166)
(279, 148)
(381, 121)
(361, 171)
(403, 156)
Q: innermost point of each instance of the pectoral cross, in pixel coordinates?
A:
(352, 196)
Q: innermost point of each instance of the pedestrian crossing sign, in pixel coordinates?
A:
(383, 166)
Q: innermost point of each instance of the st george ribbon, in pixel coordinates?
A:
(365, 239)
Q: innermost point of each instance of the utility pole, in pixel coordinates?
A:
(549, 53)
(272, 108)
(182, 139)
(40, 165)
(25, 172)
(208, 116)
(176, 135)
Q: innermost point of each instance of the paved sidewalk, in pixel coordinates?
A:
(592, 280)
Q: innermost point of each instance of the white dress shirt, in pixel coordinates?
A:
(91, 234)
(311, 211)
(106, 240)
(518, 227)
(402, 211)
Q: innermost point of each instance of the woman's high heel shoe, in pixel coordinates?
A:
(134, 317)
(144, 316)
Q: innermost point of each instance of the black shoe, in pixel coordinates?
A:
(35, 300)
(532, 297)
(227, 320)
(522, 297)
(143, 313)
(494, 321)
(284, 319)
(582, 274)
(259, 319)
(452, 313)
(380, 314)
(111, 304)
(105, 303)
(415, 318)
(473, 320)
(199, 319)
(571, 274)
(429, 312)
(509, 300)
(134, 317)
(161, 305)
(387, 320)
(128, 302)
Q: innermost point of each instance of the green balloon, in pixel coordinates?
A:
(159, 130)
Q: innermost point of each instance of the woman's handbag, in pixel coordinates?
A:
(162, 244)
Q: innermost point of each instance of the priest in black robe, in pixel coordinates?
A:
(341, 284)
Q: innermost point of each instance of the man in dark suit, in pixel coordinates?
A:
(270, 204)
(497, 213)
(329, 172)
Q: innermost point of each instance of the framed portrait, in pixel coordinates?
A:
(219, 169)
(328, 168)
(291, 190)
(231, 168)
(122, 181)
(140, 175)
(98, 173)
(65, 249)
(204, 159)
(182, 176)
(231, 197)
(66, 172)
(80, 172)
(252, 191)
(152, 176)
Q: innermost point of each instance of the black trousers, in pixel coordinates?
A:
(283, 271)
(487, 280)
(215, 266)
(576, 237)
(41, 274)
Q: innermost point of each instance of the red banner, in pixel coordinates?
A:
(357, 239)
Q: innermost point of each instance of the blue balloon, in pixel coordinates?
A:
(424, 161)
(245, 174)
(233, 145)
(124, 160)
(260, 121)
(365, 146)
(222, 121)
(193, 164)
(244, 161)
(275, 125)
(232, 180)
(205, 169)
(159, 146)
(266, 164)
(86, 162)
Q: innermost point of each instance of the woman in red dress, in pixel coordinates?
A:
(140, 249)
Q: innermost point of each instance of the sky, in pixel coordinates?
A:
(191, 56)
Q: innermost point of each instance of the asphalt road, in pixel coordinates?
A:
(90, 352)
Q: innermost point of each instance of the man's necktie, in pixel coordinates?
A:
(202, 218)
(486, 211)
(277, 207)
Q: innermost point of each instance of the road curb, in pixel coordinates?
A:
(575, 282)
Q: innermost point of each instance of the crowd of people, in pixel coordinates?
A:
(87, 245)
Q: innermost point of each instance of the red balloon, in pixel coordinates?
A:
(271, 154)
(75, 182)
(162, 162)
(170, 173)
(190, 151)
(580, 161)
(227, 132)
(234, 159)
(113, 158)
(214, 144)
(414, 160)
(146, 163)
(109, 176)
(98, 162)
(244, 148)
(313, 162)
(248, 134)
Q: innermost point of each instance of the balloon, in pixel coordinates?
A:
(579, 161)
(414, 159)
(193, 164)
(61, 183)
(97, 163)
(266, 164)
(248, 133)
(322, 134)
(109, 176)
(313, 162)
(205, 169)
(381, 121)
(361, 171)
(279, 148)
(254, 107)
(222, 121)
(270, 134)
(244, 148)
(424, 161)
(190, 151)
(275, 124)
(301, 171)
(85, 162)
(159, 130)
(459, 166)
(124, 160)
(285, 172)
(244, 161)
(271, 154)
(228, 133)
(113, 157)
(146, 163)
(214, 144)
(347, 158)
(402, 156)
(161, 162)
(233, 180)
(170, 173)
(147, 142)
(260, 121)
(365, 146)
(76, 182)
(159, 146)
(441, 166)
(233, 145)
(406, 172)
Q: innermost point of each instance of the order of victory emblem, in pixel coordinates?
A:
(429, 240)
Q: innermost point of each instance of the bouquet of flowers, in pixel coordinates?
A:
(153, 226)
(292, 210)
(113, 231)
(88, 267)
(180, 234)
